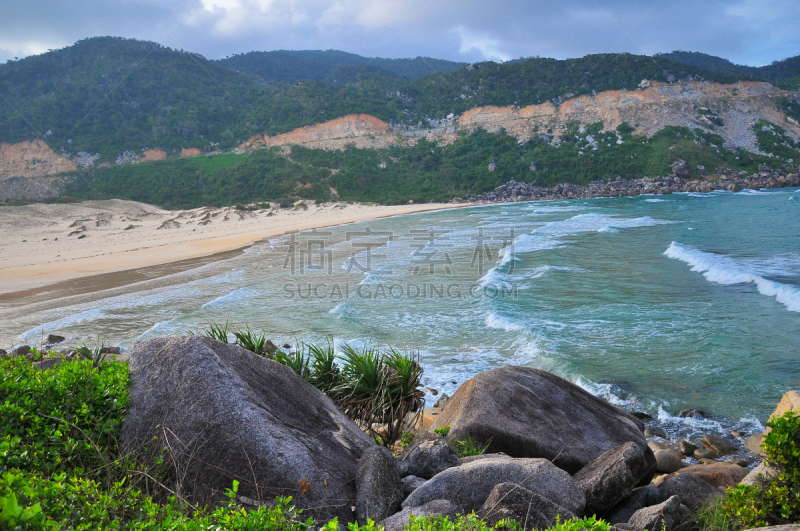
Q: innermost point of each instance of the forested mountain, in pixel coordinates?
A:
(109, 95)
(290, 66)
(785, 73)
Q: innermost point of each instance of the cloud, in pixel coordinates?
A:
(746, 31)
(487, 46)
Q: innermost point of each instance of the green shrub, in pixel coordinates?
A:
(443, 431)
(61, 419)
(469, 448)
(217, 332)
(776, 501)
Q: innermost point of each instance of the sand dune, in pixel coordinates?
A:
(41, 244)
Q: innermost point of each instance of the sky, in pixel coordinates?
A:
(752, 32)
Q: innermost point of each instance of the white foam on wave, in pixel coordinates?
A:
(696, 423)
(231, 298)
(656, 201)
(593, 222)
(499, 322)
(162, 328)
(64, 322)
(605, 391)
(726, 271)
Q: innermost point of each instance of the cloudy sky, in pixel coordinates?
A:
(753, 32)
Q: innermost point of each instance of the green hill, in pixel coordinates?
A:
(784, 74)
(290, 66)
(110, 95)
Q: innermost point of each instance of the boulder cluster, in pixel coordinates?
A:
(678, 181)
(216, 413)
(553, 450)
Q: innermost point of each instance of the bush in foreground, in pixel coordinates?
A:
(775, 501)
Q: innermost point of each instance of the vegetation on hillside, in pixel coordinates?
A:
(290, 66)
(784, 74)
(110, 95)
(422, 173)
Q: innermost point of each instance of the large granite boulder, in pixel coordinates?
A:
(612, 476)
(662, 517)
(640, 498)
(378, 488)
(427, 455)
(526, 412)
(691, 490)
(223, 413)
(469, 485)
(530, 510)
(718, 474)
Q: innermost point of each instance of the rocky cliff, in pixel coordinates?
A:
(347, 127)
(32, 158)
(728, 110)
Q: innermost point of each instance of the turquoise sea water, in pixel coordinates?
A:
(655, 303)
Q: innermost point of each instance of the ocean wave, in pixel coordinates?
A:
(605, 391)
(231, 298)
(726, 271)
(594, 222)
(499, 322)
(162, 328)
(64, 322)
(656, 201)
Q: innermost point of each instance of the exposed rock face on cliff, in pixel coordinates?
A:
(350, 126)
(737, 106)
(32, 158)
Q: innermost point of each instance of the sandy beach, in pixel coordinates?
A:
(44, 244)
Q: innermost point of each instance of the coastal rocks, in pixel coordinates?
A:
(664, 516)
(760, 474)
(680, 169)
(679, 181)
(469, 485)
(655, 432)
(719, 445)
(526, 412)
(718, 474)
(639, 499)
(693, 491)
(612, 476)
(427, 455)
(401, 520)
(225, 413)
(789, 402)
(527, 508)
(705, 453)
(787, 527)
(378, 488)
(410, 484)
(668, 461)
(53, 339)
(686, 448)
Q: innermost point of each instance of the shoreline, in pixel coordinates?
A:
(138, 258)
(133, 241)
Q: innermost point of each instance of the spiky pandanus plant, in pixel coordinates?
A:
(379, 388)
